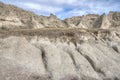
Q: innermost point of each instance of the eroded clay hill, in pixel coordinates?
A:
(36, 47)
(12, 17)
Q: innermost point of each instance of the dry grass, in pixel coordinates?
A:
(51, 32)
(71, 34)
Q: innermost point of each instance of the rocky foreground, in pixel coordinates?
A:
(36, 47)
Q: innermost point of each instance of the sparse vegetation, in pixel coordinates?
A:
(70, 32)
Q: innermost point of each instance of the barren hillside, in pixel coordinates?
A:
(34, 47)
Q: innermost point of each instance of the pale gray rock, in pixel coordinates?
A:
(88, 21)
(20, 60)
(114, 18)
(43, 59)
(83, 67)
(104, 60)
(105, 24)
(28, 53)
(58, 63)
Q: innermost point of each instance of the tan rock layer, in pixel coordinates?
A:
(28, 20)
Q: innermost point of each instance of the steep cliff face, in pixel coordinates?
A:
(36, 47)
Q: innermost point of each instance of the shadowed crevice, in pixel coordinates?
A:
(44, 59)
(115, 48)
(99, 71)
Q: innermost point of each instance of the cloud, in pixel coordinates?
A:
(67, 8)
(41, 7)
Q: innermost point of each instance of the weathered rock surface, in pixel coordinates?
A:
(42, 59)
(30, 53)
(17, 18)
(20, 60)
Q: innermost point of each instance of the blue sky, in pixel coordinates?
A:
(67, 8)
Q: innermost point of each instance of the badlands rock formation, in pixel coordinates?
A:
(36, 47)
(17, 18)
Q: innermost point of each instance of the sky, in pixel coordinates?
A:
(67, 8)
